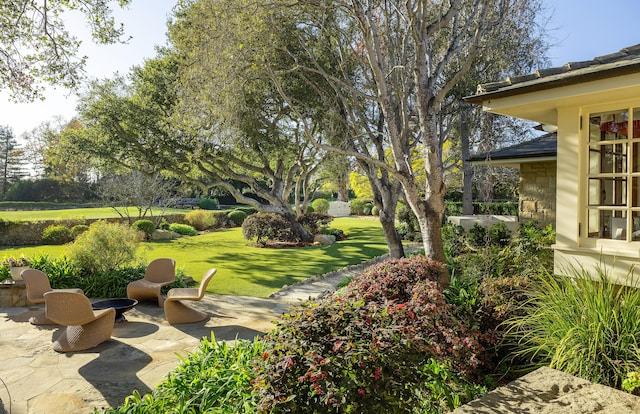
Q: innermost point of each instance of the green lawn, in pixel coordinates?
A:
(80, 213)
(253, 271)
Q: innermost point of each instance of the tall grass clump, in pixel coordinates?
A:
(104, 247)
(582, 324)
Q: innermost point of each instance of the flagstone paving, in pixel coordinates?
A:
(142, 350)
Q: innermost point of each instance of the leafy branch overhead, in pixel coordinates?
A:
(37, 47)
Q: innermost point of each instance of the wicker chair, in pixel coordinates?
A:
(37, 284)
(177, 312)
(160, 272)
(85, 328)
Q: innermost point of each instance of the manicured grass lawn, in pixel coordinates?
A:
(87, 213)
(252, 271)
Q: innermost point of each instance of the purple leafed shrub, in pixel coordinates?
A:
(393, 279)
(367, 349)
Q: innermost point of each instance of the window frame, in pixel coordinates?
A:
(600, 184)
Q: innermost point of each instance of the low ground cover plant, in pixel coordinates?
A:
(215, 378)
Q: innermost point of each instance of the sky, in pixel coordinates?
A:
(579, 30)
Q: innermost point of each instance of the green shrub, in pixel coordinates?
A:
(378, 346)
(497, 234)
(337, 233)
(248, 210)
(56, 234)
(78, 229)
(320, 205)
(453, 240)
(200, 219)
(477, 236)
(405, 215)
(375, 211)
(582, 324)
(64, 273)
(215, 378)
(264, 227)
(184, 229)
(104, 247)
(314, 222)
(527, 253)
(145, 226)
(164, 224)
(358, 206)
(508, 208)
(237, 216)
(209, 203)
(220, 220)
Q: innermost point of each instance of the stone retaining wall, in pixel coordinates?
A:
(29, 233)
(13, 294)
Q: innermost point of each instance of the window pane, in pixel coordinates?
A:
(635, 192)
(635, 217)
(608, 224)
(607, 191)
(635, 163)
(636, 122)
(595, 192)
(608, 126)
(608, 158)
(594, 224)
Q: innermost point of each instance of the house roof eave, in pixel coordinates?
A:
(512, 162)
(625, 62)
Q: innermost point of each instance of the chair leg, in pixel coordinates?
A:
(41, 319)
(79, 338)
(177, 312)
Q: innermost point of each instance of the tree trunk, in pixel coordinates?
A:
(343, 194)
(394, 243)
(431, 230)
(467, 170)
(298, 229)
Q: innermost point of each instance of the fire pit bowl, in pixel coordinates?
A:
(121, 305)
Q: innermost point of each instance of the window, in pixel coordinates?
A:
(614, 175)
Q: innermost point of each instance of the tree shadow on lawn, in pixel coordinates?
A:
(282, 267)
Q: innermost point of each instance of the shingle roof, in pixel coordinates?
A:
(542, 146)
(624, 62)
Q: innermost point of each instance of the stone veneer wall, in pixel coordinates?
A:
(538, 192)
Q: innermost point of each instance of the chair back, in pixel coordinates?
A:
(205, 281)
(161, 271)
(37, 284)
(68, 308)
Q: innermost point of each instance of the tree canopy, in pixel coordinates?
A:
(37, 48)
